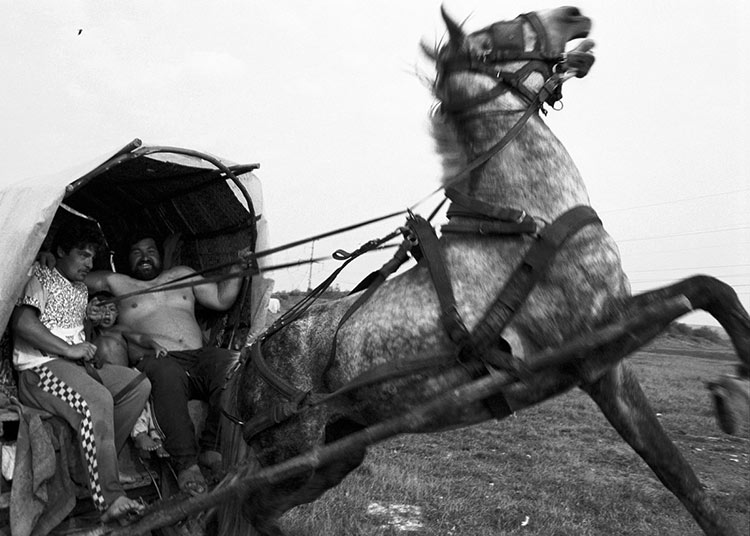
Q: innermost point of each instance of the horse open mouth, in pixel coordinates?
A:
(585, 32)
(573, 17)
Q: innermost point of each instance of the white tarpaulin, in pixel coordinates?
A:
(26, 211)
(27, 208)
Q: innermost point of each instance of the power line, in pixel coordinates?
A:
(675, 201)
(689, 268)
(680, 278)
(689, 233)
(679, 250)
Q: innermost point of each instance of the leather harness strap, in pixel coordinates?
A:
(482, 345)
(432, 255)
(533, 266)
(486, 219)
(369, 285)
(463, 204)
(508, 46)
(486, 343)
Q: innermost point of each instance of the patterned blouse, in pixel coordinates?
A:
(62, 308)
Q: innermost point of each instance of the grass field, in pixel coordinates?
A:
(557, 469)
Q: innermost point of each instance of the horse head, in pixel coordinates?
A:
(521, 54)
(490, 84)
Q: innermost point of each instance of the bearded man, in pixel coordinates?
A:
(190, 370)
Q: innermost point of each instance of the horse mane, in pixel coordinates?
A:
(447, 146)
(442, 129)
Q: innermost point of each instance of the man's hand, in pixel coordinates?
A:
(247, 256)
(159, 349)
(46, 258)
(83, 350)
(94, 311)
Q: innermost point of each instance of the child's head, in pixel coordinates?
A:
(109, 311)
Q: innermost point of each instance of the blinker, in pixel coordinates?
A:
(508, 41)
(504, 42)
(508, 35)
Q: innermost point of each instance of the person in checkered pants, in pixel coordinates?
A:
(54, 363)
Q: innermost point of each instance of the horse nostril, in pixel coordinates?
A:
(571, 11)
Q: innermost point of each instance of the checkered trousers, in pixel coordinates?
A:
(53, 385)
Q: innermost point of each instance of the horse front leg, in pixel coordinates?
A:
(716, 298)
(625, 406)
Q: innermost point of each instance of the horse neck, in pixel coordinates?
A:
(534, 172)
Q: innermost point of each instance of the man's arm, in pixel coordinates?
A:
(220, 296)
(26, 324)
(99, 280)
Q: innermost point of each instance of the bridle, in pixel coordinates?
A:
(506, 44)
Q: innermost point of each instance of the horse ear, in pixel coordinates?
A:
(455, 32)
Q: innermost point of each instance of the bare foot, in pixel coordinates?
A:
(160, 451)
(191, 481)
(144, 442)
(120, 508)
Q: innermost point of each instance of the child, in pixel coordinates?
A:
(111, 341)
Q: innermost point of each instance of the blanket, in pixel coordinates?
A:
(42, 492)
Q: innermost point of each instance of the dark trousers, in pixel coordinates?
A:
(178, 378)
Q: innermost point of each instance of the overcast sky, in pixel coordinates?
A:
(327, 96)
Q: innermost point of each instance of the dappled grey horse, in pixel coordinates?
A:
(519, 219)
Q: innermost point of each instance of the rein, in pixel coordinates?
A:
(181, 282)
(482, 350)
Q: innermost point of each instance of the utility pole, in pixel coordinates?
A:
(309, 274)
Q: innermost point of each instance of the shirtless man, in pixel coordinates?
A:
(189, 371)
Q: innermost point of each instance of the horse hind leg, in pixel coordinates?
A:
(330, 475)
(623, 403)
(265, 508)
(716, 298)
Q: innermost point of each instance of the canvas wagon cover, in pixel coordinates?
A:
(27, 209)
